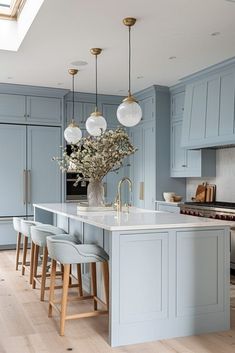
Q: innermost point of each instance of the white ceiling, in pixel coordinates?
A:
(65, 30)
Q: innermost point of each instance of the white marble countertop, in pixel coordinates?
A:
(136, 219)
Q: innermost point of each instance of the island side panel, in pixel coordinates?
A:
(44, 216)
(168, 283)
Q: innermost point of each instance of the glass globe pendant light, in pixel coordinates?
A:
(96, 123)
(72, 133)
(129, 112)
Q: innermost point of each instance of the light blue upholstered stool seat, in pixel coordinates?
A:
(39, 235)
(68, 251)
(17, 228)
(26, 233)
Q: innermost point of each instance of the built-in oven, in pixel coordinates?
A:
(75, 192)
(78, 191)
(216, 210)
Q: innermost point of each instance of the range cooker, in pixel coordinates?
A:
(216, 210)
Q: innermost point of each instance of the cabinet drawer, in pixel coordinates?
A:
(168, 208)
(7, 233)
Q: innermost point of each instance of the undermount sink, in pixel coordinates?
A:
(84, 207)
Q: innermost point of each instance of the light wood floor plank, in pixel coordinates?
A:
(25, 327)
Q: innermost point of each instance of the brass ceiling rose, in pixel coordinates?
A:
(129, 21)
(73, 72)
(95, 51)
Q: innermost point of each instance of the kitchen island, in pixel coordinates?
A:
(169, 273)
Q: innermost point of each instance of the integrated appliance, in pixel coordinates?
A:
(217, 210)
(78, 192)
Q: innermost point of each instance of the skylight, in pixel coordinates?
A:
(10, 9)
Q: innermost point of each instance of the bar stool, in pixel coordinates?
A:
(68, 252)
(17, 227)
(25, 231)
(39, 235)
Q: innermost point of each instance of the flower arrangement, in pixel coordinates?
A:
(93, 157)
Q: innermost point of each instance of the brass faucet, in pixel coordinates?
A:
(118, 201)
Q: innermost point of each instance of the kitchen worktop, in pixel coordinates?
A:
(136, 218)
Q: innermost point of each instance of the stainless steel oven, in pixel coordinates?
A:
(216, 210)
(78, 192)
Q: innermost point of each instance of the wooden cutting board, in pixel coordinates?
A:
(200, 193)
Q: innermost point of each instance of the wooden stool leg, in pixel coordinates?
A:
(70, 277)
(79, 275)
(94, 283)
(25, 248)
(52, 286)
(35, 265)
(31, 262)
(105, 266)
(18, 249)
(44, 272)
(64, 298)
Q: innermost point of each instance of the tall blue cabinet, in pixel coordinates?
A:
(150, 165)
(31, 121)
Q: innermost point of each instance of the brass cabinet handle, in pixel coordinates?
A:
(141, 195)
(24, 186)
(29, 186)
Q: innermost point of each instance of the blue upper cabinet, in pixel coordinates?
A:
(12, 108)
(188, 163)
(88, 109)
(21, 104)
(44, 111)
(148, 109)
(109, 111)
(177, 105)
(78, 113)
(209, 118)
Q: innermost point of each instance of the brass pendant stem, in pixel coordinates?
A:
(96, 52)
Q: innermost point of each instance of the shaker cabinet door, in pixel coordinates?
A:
(13, 170)
(149, 165)
(177, 105)
(44, 110)
(12, 108)
(110, 113)
(44, 176)
(136, 169)
(178, 153)
(78, 112)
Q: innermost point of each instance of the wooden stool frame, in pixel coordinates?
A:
(64, 300)
(41, 279)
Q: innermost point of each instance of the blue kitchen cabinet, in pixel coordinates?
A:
(44, 176)
(12, 108)
(109, 111)
(148, 185)
(82, 111)
(78, 113)
(177, 105)
(184, 162)
(111, 184)
(13, 170)
(208, 119)
(88, 108)
(7, 233)
(44, 110)
(148, 109)
(136, 168)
